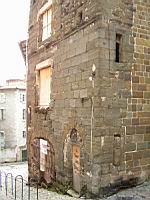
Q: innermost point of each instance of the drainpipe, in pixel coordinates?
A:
(91, 78)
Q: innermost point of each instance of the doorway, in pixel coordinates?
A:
(44, 159)
(76, 167)
(24, 155)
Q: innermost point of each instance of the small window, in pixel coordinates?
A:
(81, 16)
(33, 2)
(24, 114)
(22, 97)
(118, 47)
(2, 114)
(2, 139)
(24, 134)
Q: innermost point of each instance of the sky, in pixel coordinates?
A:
(14, 16)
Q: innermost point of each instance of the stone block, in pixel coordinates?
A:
(83, 93)
(72, 103)
(141, 146)
(76, 93)
(130, 147)
(147, 137)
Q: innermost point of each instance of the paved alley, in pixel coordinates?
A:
(141, 192)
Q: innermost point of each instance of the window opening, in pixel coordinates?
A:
(81, 16)
(47, 18)
(24, 114)
(45, 89)
(118, 47)
(23, 134)
(33, 2)
(2, 114)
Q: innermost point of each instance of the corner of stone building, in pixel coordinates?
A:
(113, 146)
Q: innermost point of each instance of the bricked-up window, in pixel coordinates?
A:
(47, 18)
(118, 47)
(44, 86)
(2, 114)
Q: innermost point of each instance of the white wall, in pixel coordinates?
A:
(20, 123)
(8, 125)
(7, 155)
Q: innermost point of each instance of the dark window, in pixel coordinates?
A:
(33, 2)
(23, 97)
(24, 114)
(2, 114)
(81, 16)
(23, 134)
(118, 47)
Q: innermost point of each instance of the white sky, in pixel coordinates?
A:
(14, 26)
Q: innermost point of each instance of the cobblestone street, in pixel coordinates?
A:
(137, 193)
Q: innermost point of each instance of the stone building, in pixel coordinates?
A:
(13, 121)
(88, 93)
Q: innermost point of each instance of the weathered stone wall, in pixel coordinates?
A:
(109, 113)
(138, 115)
(110, 103)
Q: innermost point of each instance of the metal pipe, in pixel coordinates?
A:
(20, 177)
(0, 180)
(12, 188)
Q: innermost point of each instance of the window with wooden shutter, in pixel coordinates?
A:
(45, 89)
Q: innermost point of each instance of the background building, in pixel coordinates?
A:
(88, 93)
(13, 121)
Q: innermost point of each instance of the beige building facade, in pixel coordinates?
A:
(13, 121)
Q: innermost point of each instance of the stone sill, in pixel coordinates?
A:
(41, 110)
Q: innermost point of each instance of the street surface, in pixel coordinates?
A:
(141, 192)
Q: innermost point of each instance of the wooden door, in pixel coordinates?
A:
(76, 167)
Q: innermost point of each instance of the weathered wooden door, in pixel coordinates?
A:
(76, 167)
